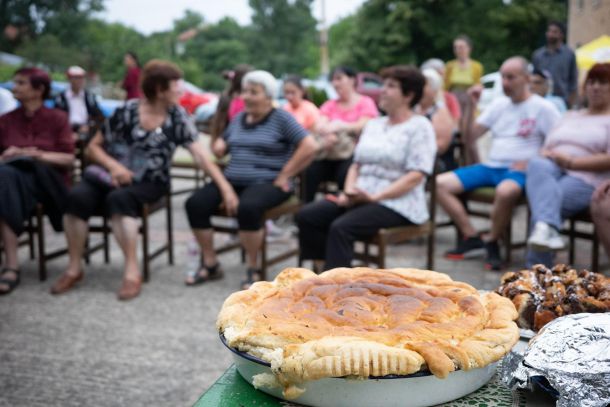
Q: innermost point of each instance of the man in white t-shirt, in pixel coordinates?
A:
(518, 125)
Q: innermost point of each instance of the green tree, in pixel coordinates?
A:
(216, 48)
(282, 36)
(387, 32)
(30, 18)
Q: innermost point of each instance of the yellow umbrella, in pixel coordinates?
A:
(593, 52)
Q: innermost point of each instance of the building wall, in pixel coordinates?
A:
(587, 20)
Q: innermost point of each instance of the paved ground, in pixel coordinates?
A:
(162, 349)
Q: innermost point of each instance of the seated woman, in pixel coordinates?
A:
(575, 160)
(340, 124)
(385, 183)
(132, 164)
(432, 105)
(36, 154)
(268, 147)
(304, 111)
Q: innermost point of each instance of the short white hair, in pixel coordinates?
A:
(435, 81)
(264, 79)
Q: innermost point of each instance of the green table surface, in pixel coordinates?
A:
(231, 390)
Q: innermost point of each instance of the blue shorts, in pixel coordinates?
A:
(480, 175)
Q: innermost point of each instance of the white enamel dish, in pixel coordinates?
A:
(417, 390)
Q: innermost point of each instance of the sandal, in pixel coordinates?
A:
(252, 276)
(213, 273)
(10, 283)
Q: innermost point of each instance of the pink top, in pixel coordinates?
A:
(578, 135)
(306, 114)
(236, 106)
(365, 107)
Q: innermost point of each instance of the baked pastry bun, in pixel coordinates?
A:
(364, 322)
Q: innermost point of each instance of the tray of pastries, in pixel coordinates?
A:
(541, 294)
(361, 337)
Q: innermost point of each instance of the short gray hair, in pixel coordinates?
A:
(264, 79)
(433, 63)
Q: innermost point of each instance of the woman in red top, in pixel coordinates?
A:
(131, 82)
(36, 154)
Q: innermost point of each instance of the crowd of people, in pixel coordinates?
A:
(546, 144)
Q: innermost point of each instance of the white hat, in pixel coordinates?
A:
(75, 70)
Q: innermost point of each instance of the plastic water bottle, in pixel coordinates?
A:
(193, 257)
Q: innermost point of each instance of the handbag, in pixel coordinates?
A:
(342, 150)
(98, 175)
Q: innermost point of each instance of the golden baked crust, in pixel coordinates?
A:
(364, 322)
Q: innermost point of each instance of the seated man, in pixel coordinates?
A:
(518, 125)
(36, 154)
(80, 104)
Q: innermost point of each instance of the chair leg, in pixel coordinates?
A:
(31, 239)
(170, 235)
(381, 249)
(264, 255)
(430, 249)
(572, 231)
(595, 252)
(509, 242)
(42, 266)
(145, 242)
(86, 255)
(366, 254)
(105, 237)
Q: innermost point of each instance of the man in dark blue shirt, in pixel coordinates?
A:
(559, 59)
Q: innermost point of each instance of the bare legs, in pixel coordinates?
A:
(251, 241)
(125, 230)
(76, 231)
(9, 240)
(508, 193)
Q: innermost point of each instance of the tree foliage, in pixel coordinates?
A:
(386, 32)
(282, 37)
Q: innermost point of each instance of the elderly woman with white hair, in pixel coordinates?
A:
(432, 105)
(268, 147)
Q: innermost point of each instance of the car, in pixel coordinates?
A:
(107, 106)
(193, 96)
(369, 84)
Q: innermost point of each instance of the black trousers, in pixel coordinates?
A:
(87, 199)
(328, 231)
(254, 200)
(17, 196)
(325, 170)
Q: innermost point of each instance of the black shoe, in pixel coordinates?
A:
(493, 261)
(464, 246)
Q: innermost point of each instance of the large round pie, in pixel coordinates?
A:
(363, 322)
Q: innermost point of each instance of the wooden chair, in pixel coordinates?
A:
(147, 255)
(35, 233)
(288, 207)
(400, 234)
(573, 233)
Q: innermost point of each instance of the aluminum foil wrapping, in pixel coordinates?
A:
(573, 354)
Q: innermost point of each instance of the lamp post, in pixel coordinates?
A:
(324, 68)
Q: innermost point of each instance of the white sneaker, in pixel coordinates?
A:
(545, 238)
